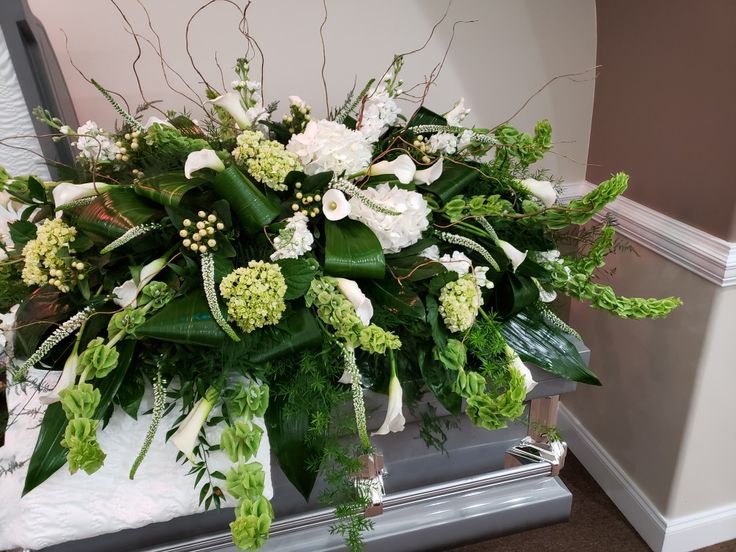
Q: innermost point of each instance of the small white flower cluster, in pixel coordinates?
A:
(395, 232)
(448, 143)
(379, 113)
(459, 262)
(457, 114)
(294, 240)
(330, 146)
(94, 143)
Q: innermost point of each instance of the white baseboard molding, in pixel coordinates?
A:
(682, 534)
(700, 252)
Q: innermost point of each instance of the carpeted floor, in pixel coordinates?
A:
(595, 525)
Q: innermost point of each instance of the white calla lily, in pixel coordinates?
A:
(185, 438)
(542, 190)
(363, 305)
(335, 205)
(395, 420)
(126, 294)
(67, 379)
(430, 174)
(517, 364)
(402, 167)
(66, 193)
(514, 255)
(232, 103)
(202, 159)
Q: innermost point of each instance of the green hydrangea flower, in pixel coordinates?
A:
(459, 303)
(48, 258)
(254, 295)
(241, 440)
(80, 401)
(266, 160)
(245, 481)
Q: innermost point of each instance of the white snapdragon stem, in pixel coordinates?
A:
(202, 159)
(430, 174)
(456, 115)
(185, 438)
(514, 255)
(67, 378)
(232, 103)
(363, 305)
(402, 167)
(517, 364)
(395, 420)
(335, 205)
(66, 193)
(542, 190)
(126, 294)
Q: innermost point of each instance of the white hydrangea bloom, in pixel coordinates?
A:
(459, 262)
(330, 146)
(94, 143)
(464, 140)
(395, 232)
(379, 112)
(294, 240)
(442, 142)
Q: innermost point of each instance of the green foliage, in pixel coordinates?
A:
(523, 147)
(580, 211)
(12, 288)
(460, 207)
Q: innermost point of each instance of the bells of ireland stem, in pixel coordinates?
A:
(402, 167)
(335, 205)
(232, 103)
(126, 294)
(185, 438)
(202, 159)
(363, 305)
(66, 380)
(542, 190)
(517, 364)
(65, 193)
(514, 255)
(395, 420)
(430, 174)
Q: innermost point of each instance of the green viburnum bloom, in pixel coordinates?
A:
(252, 523)
(249, 399)
(98, 359)
(80, 437)
(80, 401)
(459, 303)
(126, 321)
(155, 293)
(241, 440)
(245, 481)
(254, 295)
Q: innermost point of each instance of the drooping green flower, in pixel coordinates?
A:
(156, 293)
(80, 437)
(249, 399)
(245, 481)
(98, 359)
(80, 401)
(126, 321)
(459, 303)
(252, 523)
(241, 440)
(254, 295)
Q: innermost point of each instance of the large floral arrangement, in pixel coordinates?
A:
(375, 248)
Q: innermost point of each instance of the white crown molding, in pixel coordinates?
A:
(662, 534)
(700, 252)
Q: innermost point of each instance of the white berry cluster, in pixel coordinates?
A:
(200, 236)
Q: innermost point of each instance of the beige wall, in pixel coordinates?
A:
(496, 63)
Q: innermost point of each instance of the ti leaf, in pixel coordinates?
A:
(44, 308)
(454, 180)
(252, 208)
(114, 212)
(352, 250)
(167, 188)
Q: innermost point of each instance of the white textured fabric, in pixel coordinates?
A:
(68, 507)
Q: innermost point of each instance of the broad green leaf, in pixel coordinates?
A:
(298, 274)
(513, 293)
(252, 208)
(48, 455)
(297, 330)
(131, 393)
(21, 232)
(352, 250)
(185, 320)
(167, 188)
(439, 380)
(424, 116)
(535, 341)
(394, 298)
(455, 178)
(113, 213)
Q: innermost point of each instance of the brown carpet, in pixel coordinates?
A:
(595, 525)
